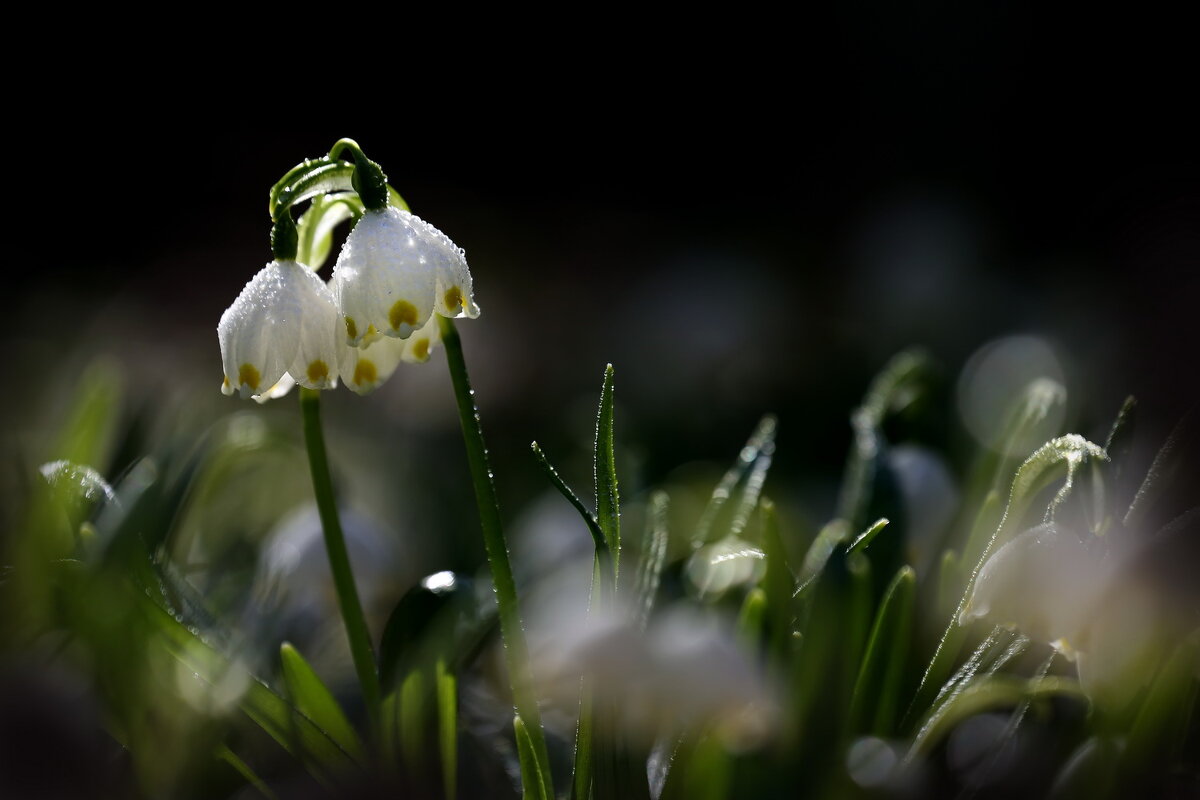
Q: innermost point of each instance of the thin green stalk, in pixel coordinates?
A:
(339, 559)
(520, 673)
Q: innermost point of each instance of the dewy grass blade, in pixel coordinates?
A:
(232, 759)
(654, 557)
(778, 581)
(533, 783)
(863, 540)
(877, 690)
(608, 502)
(995, 691)
(1160, 726)
(447, 710)
(313, 699)
(763, 434)
(599, 539)
(511, 630)
(339, 559)
(282, 721)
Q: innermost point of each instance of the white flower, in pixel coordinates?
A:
(365, 368)
(395, 270)
(282, 328)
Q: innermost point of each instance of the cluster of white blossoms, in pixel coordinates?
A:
(395, 274)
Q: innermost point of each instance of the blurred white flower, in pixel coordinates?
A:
(685, 672)
(1044, 582)
(281, 330)
(394, 272)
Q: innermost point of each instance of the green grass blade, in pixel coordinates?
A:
(313, 699)
(654, 558)
(893, 389)
(778, 582)
(581, 773)
(763, 436)
(532, 781)
(876, 698)
(282, 721)
(1168, 466)
(993, 692)
(752, 618)
(608, 502)
(242, 768)
(864, 539)
(447, 709)
(599, 539)
(1161, 722)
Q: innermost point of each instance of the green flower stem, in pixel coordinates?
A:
(520, 672)
(339, 559)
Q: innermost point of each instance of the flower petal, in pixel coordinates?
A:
(394, 270)
(365, 369)
(253, 354)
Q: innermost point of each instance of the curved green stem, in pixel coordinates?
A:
(339, 559)
(520, 672)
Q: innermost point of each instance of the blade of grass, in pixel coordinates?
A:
(995, 691)
(654, 557)
(532, 783)
(763, 436)
(863, 540)
(877, 690)
(778, 581)
(447, 709)
(756, 476)
(608, 503)
(231, 758)
(313, 699)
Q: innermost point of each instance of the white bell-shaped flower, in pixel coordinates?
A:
(282, 328)
(394, 272)
(365, 368)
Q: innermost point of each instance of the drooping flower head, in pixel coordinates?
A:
(280, 328)
(394, 272)
(395, 275)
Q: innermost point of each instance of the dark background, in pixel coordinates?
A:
(743, 214)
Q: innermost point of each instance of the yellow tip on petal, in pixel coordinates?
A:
(454, 298)
(317, 371)
(248, 376)
(351, 328)
(226, 386)
(421, 349)
(402, 312)
(365, 372)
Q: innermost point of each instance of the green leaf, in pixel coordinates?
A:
(313, 699)
(893, 390)
(993, 692)
(779, 582)
(581, 771)
(762, 438)
(243, 769)
(1161, 724)
(599, 538)
(608, 504)
(751, 619)
(654, 557)
(88, 433)
(532, 780)
(447, 706)
(282, 721)
(877, 690)
(421, 628)
(1170, 464)
(308, 179)
(863, 540)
